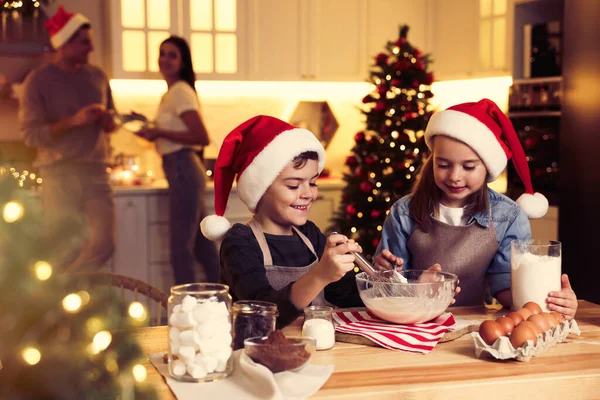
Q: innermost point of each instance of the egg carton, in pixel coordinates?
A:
(502, 349)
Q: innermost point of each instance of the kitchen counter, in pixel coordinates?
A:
(161, 186)
(451, 371)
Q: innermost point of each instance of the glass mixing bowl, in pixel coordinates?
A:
(425, 296)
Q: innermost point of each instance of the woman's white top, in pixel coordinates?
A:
(178, 99)
(452, 216)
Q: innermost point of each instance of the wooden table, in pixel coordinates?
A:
(568, 370)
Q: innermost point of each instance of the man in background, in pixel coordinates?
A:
(66, 112)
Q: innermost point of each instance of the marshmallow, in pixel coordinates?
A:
(209, 363)
(174, 346)
(196, 371)
(188, 303)
(174, 334)
(186, 338)
(178, 368)
(187, 354)
(177, 309)
(186, 320)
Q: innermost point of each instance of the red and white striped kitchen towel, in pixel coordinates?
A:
(418, 338)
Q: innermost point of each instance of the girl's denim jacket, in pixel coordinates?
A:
(510, 223)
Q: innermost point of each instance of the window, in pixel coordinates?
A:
(492, 33)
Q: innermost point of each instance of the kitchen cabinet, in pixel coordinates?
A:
(142, 227)
(212, 29)
(470, 38)
(309, 40)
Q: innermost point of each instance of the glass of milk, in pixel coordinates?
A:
(535, 271)
(318, 324)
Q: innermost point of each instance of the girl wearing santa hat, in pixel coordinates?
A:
(279, 255)
(453, 219)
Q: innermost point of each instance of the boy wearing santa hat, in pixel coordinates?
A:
(279, 255)
(66, 112)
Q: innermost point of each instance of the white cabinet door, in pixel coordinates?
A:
(496, 24)
(455, 39)
(137, 27)
(338, 40)
(131, 253)
(276, 35)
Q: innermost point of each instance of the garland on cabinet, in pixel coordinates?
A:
(389, 151)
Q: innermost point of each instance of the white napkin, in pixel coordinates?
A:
(250, 380)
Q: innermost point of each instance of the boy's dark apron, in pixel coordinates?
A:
(466, 251)
(281, 276)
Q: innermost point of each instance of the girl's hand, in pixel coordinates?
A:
(337, 257)
(438, 268)
(386, 261)
(150, 134)
(565, 301)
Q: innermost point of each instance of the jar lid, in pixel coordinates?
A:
(255, 307)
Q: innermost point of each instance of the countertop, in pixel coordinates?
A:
(569, 370)
(161, 186)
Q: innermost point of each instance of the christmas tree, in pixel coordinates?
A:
(389, 151)
(59, 340)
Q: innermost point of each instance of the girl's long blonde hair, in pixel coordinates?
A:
(426, 195)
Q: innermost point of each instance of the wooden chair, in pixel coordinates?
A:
(157, 298)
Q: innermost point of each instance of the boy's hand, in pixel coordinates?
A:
(565, 301)
(386, 261)
(88, 115)
(337, 257)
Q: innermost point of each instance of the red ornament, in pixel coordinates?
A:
(366, 187)
(369, 160)
(429, 78)
(375, 242)
(396, 82)
(351, 161)
(417, 53)
(529, 142)
(380, 106)
(351, 210)
(400, 42)
(415, 84)
(368, 99)
(382, 89)
(420, 65)
(375, 214)
(359, 137)
(381, 58)
(398, 184)
(361, 173)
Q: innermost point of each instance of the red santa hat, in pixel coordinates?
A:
(256, 152)
(63, 25)
(489, 132)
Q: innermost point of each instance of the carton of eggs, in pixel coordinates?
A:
(199, 338)
(522, 334)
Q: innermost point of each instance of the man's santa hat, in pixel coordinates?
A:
(489, 132)
(63, 25)
(256, 152)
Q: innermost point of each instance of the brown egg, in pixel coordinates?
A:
(518, 318)
(525, 313)
(508, 324)
(551, 319)
(532, 326)
(533, 307)
(558, 316)
(490, 331)
(541, 321)
(521, 335)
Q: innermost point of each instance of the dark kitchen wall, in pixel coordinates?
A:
(579, 220)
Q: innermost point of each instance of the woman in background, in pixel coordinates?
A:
(179, 133)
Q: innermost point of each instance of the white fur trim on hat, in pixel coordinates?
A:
(61, 37)
(254, 181)
(535, 205)
(469, 130)
(214, 227)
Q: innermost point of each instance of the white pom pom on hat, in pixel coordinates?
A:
(488, 131)
(256, 152)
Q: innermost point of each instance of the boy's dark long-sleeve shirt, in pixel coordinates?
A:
(242, 268)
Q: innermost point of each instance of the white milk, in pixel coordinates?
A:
(533, 277)
(321, 330)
